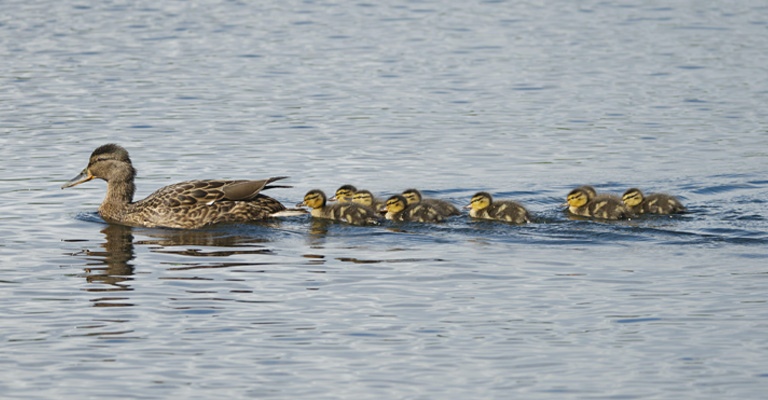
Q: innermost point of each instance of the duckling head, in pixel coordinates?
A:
(363, 197)
(315, 198)
(396, 204)
(107, 162)
(632, 197)
(577, 198)
(480, 201)
(344, 194)
(589, 190)
(413, 196)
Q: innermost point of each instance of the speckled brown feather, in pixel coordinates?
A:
(194, 204)
(187, 205)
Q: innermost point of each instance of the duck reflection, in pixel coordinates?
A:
(113, 264)
(111, 268)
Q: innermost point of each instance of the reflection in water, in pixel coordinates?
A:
(113, 266)
(318, 229)
(118, 252)
(117, 270)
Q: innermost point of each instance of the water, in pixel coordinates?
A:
(523, 99)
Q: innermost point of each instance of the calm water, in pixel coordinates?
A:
(522, 99)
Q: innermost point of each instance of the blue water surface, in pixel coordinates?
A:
(525, 100)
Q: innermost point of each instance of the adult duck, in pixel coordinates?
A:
(185, 205)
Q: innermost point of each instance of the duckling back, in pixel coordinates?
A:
(655, 203)
(419, 213)
(445, 208)
(606, 208)
(483, 206)
(660, 203)
(442, 207)
(351, 213)
(508, 211)
(398, 209)
(581, 202)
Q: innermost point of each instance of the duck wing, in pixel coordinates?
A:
(211, 191)
(247, 190)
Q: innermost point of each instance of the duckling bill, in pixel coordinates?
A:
(186, 205)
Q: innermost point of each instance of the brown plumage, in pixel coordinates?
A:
(398, 209)
(580, 202)
(413, 196)
(483, 206)
(655, 203)
(186, 205)
(352, 213)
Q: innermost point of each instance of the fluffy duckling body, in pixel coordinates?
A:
(483, 206)
(184, 205)
(344, 194)
(398, 209)
(351, 213)
(580, 202)
(413, 196)
(654, 203)
(366, 198)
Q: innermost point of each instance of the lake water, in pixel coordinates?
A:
(525, 100)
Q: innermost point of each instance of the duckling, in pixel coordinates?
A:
(352, 213)
(344, 194)
(482, 206)
(654, 203)
(184, 205)
(414, 197)
(399, 210)
(367, 199)
(593, 195)
(579, 202)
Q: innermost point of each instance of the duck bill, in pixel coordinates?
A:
(566, 204)
(467, 207)
(84, 176)
(301, 204)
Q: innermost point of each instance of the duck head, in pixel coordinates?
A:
(344, 194)
(632, 197)
(480, 201)
(313, 199)
(413, 196)
(396, 203)
(108, 162)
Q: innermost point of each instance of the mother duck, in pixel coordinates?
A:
(185, 205)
